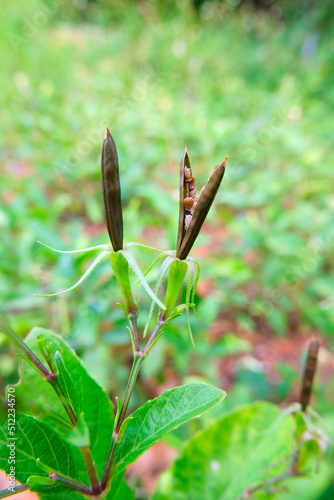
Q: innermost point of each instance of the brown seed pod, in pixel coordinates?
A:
(187, 238)
(309, 372)
(112, 192)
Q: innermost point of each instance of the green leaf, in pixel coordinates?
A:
(38, 445)
(66, 384)
(119, 490)
(35, 395)
(158, 417)
(239, 451)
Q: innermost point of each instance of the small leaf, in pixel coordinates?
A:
(158, 417)
(34, 481)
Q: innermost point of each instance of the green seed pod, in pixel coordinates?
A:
(192, 216)
(112, 192)
(309, 372)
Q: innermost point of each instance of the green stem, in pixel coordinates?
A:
(67, 407)
(154, 337)
(72, 484)
(137, 361)
(5, 328)
(94, 481)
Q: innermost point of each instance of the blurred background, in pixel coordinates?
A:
(251, 79)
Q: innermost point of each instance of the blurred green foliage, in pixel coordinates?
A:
(227, 79)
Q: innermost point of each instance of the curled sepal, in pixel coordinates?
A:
(81, 250)
(193, 210)
(112, 192)
(176, 275)
(83, 277)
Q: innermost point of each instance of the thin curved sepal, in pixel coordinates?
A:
(136, 269)
(141, 245)
(83, 277)
(164, 269)
(82, 250)
(192, 274)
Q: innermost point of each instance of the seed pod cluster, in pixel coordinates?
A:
(192, 209)
(112, 192)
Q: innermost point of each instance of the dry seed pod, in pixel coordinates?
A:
(188, 230)
(112, 192)
(309, 372)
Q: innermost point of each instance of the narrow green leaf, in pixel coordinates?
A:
(66, 383)
(158, 417)
(119, 490)
(36, 440)
(83, 277)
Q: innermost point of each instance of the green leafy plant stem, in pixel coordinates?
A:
(94, 481)
(72, 484)
(136, 364)
(17, 489)
(5, 328)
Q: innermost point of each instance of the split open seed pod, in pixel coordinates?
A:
(192, 209)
